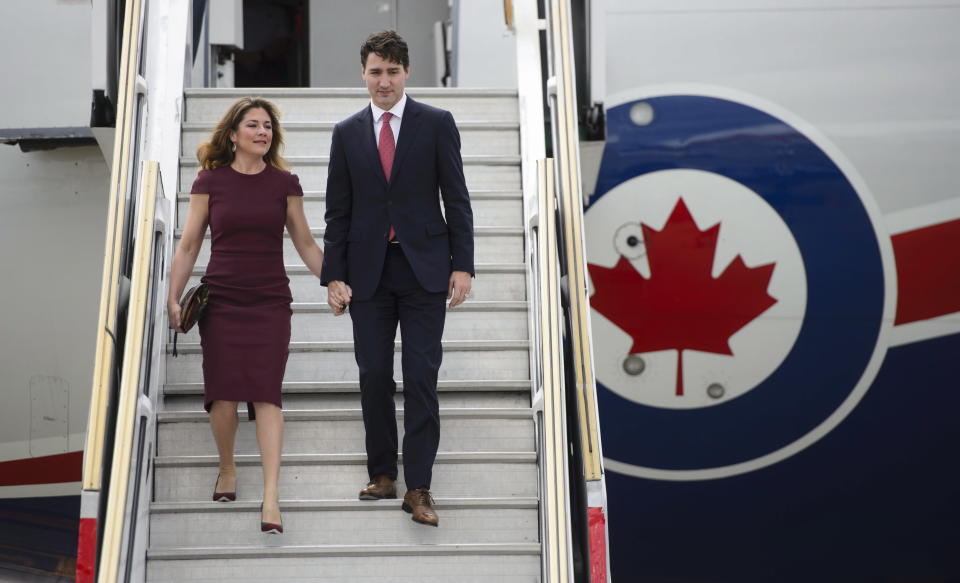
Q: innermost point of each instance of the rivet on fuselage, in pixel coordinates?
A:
(716, 390)
(634, 365)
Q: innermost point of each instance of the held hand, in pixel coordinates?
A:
(459, 289)
(338, 297)
(173, 313)
(346, 296)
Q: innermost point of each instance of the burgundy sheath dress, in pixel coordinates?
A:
(245, 329)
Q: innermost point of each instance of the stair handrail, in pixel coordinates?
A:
(116, 519)
(556, 500)
(543, 281)
(567, 154)
(108, 358)
(566, 151)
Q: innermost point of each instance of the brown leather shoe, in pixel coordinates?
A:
(419, 502)
(379, 488)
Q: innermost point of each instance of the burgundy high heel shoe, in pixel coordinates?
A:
(222, 496)
(269, 527)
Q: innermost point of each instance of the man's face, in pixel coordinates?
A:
(385, 80)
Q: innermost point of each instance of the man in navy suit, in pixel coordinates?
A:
(394, 258)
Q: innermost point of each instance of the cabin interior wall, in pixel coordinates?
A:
(275, 39)
(337, 29)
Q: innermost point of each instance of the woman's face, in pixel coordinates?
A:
(255, 133)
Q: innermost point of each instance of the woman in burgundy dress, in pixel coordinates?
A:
(247, 197)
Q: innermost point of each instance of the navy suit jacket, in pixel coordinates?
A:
(361, 205)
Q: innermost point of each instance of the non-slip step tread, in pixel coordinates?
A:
(486, 231)
(468, 160)
(347, 346)
(468, 306)
(342, 550)
(300, 415)
(475, 194)
(326, 387)
(329, 124)
(320, 92)
(472, 457)
(376, 525)
(479, 268)
(339, 504)
(336, 360)
(355, 568)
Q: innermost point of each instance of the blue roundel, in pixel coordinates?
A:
(841, 256)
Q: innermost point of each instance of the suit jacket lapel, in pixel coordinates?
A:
(368, 145)
(409, 124)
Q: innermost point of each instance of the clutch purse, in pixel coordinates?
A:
(192, 305)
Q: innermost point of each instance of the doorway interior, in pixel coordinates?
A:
(275, 44)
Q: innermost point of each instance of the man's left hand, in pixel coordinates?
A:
(459, 289)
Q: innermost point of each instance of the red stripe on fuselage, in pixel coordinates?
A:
(928, 272)
(50, 469)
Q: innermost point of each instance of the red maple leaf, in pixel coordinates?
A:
(681, 306)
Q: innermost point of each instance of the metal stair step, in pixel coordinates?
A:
(462, 563)
(345, 522)
(490, 208)
(309, 476)
(342, 431)
(307, 104)
(462, 360)
(314, 322)
(344, 395)
(337, 387)
(493, 244)
(352, 414)
(493, 282)
(481, 172)
(347, 346)
(312, 138)
(297, 401)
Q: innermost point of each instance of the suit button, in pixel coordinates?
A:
(389, 202)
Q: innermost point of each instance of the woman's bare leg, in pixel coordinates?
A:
(224, 422)
(270, 439)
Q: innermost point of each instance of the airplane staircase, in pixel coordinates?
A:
(485, 478)
(519, 500)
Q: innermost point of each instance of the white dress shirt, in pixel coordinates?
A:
(396, 110)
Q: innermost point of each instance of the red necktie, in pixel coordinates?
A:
(387, 147)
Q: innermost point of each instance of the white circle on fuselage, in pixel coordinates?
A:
(748, 227)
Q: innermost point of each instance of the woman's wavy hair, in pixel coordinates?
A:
(218, 151)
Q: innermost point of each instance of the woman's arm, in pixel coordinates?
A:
(198, 215)
(299, 231)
